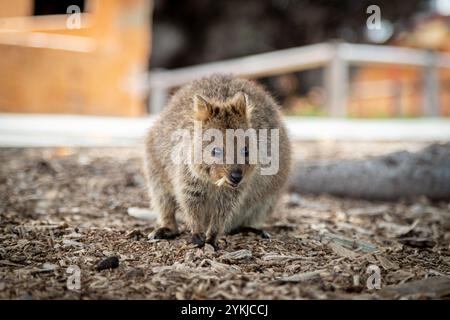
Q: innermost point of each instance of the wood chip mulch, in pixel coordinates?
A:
(66, 210)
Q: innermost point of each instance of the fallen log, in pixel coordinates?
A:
(399, 175)
(434, 288)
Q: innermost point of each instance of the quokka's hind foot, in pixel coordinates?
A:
(164, 233)
(263, 234)
(198, 239)
(212, 240)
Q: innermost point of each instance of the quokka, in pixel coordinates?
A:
(217, 198)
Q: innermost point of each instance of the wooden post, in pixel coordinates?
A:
(430, 84)
(397, 98)
(158, 92)
(336, 84)
(158, 98)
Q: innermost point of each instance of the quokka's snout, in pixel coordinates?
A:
(232, 178)
(236, 176)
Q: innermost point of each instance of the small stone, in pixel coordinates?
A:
(71, 243)
(73, 235)
(108, 263)
(209, 248)
(134, 273)
(239, 255)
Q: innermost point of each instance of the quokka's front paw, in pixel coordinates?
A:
(164, 233)
(198, 239)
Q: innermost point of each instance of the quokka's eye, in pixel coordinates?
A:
(216, 152)
(244, 151)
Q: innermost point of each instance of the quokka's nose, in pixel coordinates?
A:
(236, 176)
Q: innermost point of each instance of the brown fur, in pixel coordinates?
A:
(221, 102)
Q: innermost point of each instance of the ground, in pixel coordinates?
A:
(70, 207)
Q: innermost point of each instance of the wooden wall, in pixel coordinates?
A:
(16, 8)
(47, 68)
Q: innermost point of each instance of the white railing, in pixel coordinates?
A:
(334, 57)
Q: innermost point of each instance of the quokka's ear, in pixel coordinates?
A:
(202, 108)
(242, 102)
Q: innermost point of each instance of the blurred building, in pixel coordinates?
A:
(81, 57)
(398, 91)
(52, 65)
